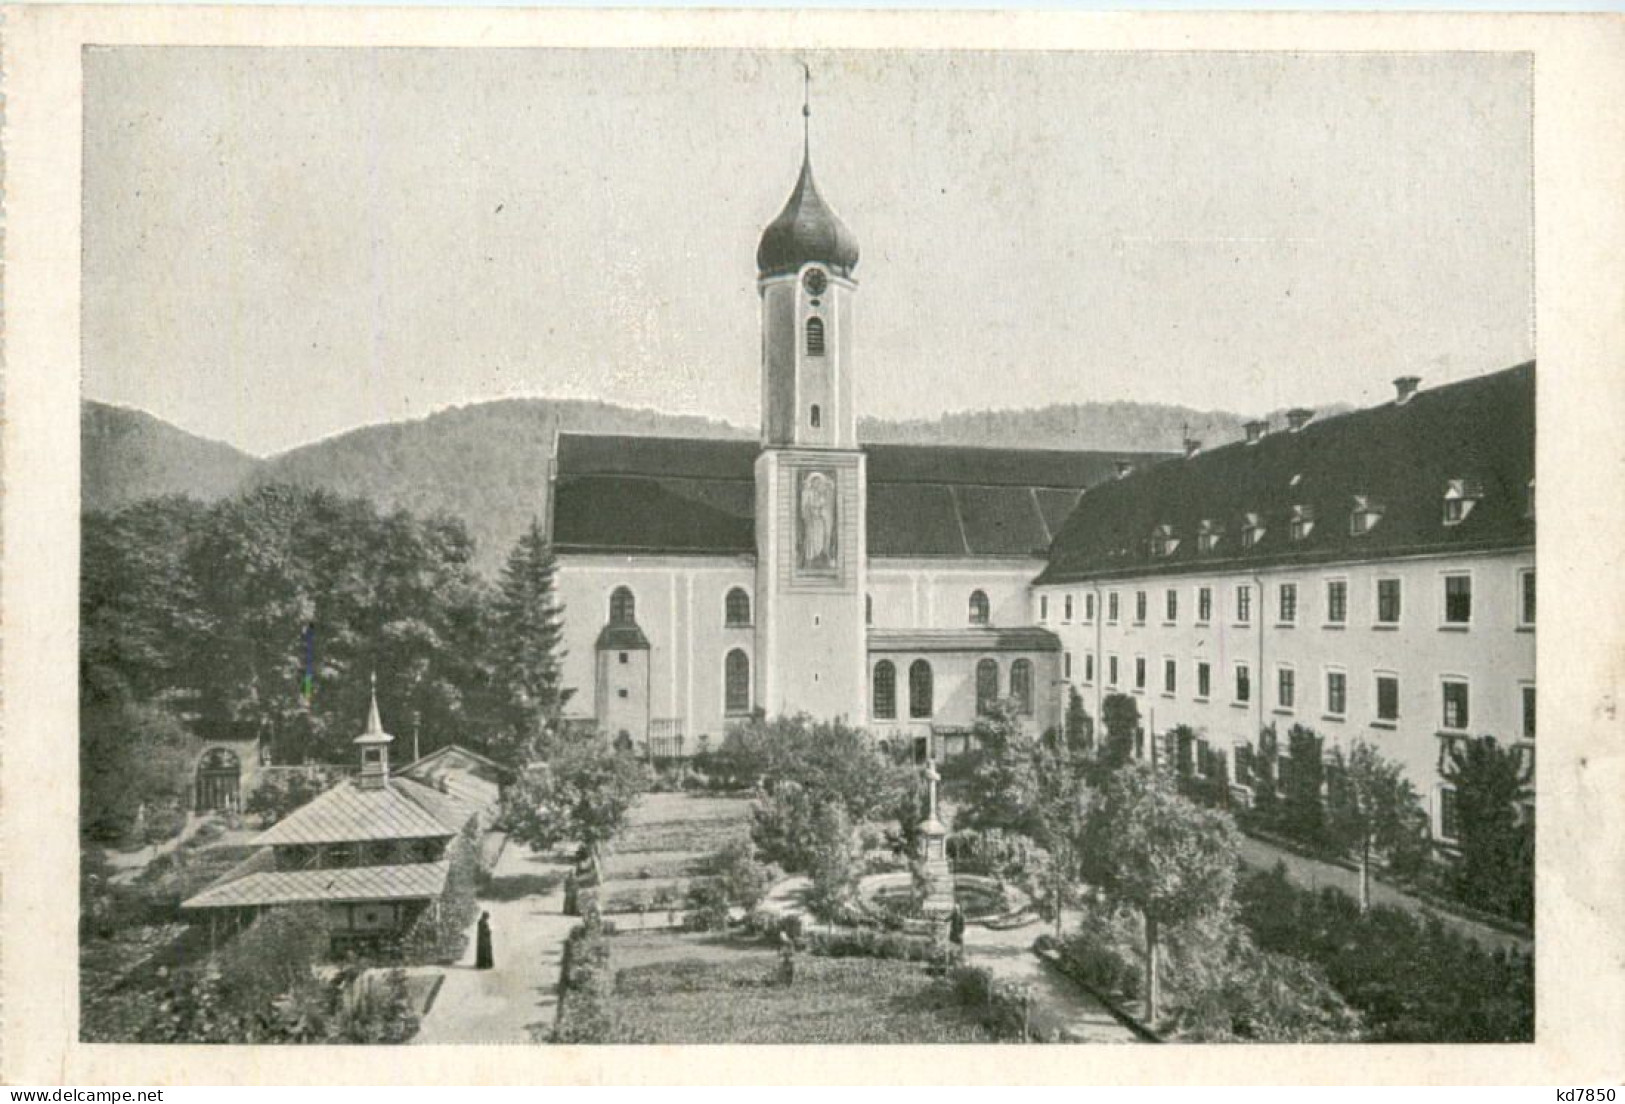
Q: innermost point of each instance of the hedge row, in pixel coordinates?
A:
(585, 983)
(869, 943)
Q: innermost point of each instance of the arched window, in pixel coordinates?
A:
(885, 691)
(987, 686)
(919, 689)
(738, 607)
(736, 683)
(978, 608)
(815, 337)
(1021, 685)
(623, 608)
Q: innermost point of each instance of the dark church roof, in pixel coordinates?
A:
(1396, 461)
(621, 494)
(806, 230)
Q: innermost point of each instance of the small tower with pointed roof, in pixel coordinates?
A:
(811, 476)
(374, 744)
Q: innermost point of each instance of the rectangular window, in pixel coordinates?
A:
(1337, 693)
(1244, 604)
(1066, 665)
(1244, 683)
(1111, 670)
(1337, 601)
(1286, 688)
(1139, 607)
(1088, 666)
(1066, 608)
(1111, 608)
(1204, 604)
(1204, 680)
(1387, 601)
(1447, 813)
(1388, 698)
(1527, 700)
(1139, 672)
(1526, 598)
(1170, 676)
(1288, 611)
(1043, 607)
(1458, 599)
(1170, 612)
(1088, 607)
(1455, 705)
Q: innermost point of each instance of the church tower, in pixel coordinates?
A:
(811, 482)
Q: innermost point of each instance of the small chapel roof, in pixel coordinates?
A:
(399, 882)
(350, 813)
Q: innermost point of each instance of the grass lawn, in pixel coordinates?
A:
(705, 989)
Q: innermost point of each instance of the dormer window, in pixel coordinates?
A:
(1303, 522)
(1163, 541)
(1252, 530)
(1460, 496)
(1529, 500)
(1367, 512)
(1207, 536)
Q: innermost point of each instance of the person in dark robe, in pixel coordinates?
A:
(482, 944)
(956, 927)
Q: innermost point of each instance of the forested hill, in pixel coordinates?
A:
(1111, 426)
(127, 455)
(486, 463)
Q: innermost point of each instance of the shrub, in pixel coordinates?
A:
(1410, 977)
(1002, 1006)
(440, 935)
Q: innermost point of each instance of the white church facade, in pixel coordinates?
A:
(805, 572)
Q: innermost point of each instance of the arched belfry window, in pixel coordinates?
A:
(1021, 685)
(623, 608)
(815, 337)
(987, 686)
(737, 611)
(919, 689)
(978, 608)
(736, 683)
(885, 691)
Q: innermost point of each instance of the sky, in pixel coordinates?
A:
(282, 244)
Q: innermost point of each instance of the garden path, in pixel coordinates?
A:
(1058, 1004)
(525, 897)
(1314, 873)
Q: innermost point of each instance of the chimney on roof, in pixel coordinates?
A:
(1405, 387)
(1192, 447)
(1255, 431)
(1123, 468)
(1298, 417)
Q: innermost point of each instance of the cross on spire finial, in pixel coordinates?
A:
(806, 109)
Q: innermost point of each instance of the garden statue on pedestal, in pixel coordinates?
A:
(939, 901)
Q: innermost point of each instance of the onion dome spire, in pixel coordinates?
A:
(807, 230)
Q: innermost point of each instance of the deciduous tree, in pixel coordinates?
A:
(1371, 807)
(1169, 859)
(583, 794)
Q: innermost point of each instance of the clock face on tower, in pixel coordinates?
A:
(815, 281)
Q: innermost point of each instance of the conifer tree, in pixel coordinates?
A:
(528, 657)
